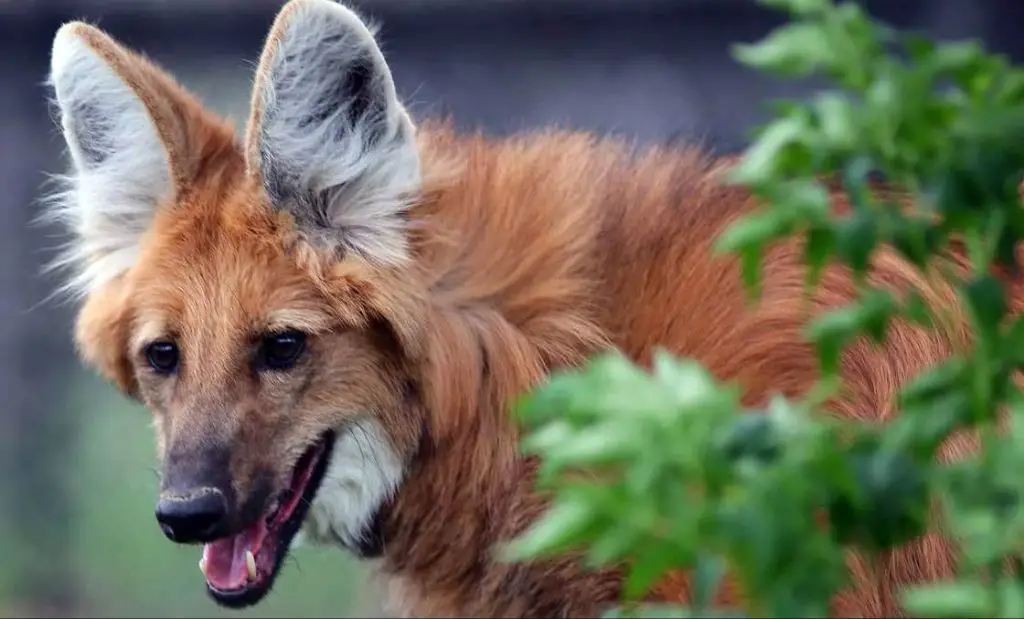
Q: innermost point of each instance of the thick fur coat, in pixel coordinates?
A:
(431, 277)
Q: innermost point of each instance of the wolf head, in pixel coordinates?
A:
(259, 296)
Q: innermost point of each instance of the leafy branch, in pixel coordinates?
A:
(683, 478)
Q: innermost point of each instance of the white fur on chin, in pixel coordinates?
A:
(363, 473)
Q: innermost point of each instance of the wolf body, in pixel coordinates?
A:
(329, 316)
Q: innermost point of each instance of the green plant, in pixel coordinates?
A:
(693, 482)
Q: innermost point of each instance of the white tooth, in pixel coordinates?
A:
(250, 564)
(202, 564)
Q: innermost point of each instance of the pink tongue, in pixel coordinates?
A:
(224, 560)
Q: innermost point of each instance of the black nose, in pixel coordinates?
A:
(196, 516)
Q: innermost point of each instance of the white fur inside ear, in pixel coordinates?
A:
(336, 147)
(121, 171)
(364, 471)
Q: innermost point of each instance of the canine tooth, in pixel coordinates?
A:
(250, 564)
(202, 564)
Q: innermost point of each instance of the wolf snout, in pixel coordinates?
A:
(194, 516)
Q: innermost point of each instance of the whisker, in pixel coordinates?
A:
(293, 560)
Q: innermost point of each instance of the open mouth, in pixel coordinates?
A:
(240, 569)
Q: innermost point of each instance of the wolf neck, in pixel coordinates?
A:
(468, 492)
(515, 245)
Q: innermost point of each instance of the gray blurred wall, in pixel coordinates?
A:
(654, 70)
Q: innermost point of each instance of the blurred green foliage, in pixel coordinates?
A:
(691, 481)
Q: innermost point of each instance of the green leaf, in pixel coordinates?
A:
(751, 436)
(1011, 598)
(707, 579)
(889, 505)
(616, 543)
(923, 426)
(856, 237)
(793, 50)
(799, 7)
(838, 120)
(686, 379)
(761, 161)
(651, 611)
(750, 266)
(986, 301)
(651, 563)
(1014, 339)
(668, 611)
(916, 309)
(798, 199)
(939, 380)
(830, 332)
(914, 238)
(877, 309)
(950, 599)
(591, 446)
(750, 232)
(567, 523)
(547, 437)
(818, 250)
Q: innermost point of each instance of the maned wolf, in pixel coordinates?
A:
(329, 316)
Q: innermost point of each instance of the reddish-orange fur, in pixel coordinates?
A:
(530, 254)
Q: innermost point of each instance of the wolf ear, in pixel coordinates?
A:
(123, 121)
(328, 138)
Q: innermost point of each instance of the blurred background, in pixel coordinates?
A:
(77, 480)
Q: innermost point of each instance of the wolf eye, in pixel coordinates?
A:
(162, 356)
(280, 351)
